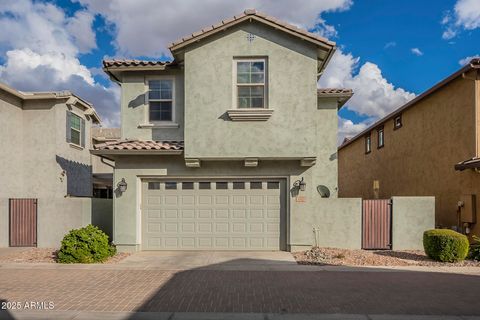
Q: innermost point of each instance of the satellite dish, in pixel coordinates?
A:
(323, 191)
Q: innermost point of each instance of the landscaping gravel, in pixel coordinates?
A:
(46, 255)
(346, 257)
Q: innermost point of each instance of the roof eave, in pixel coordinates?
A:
(176, 46)
(135, 152)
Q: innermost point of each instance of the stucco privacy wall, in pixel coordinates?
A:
(57, 216)
(209, 93)
(127, 227)
(333, 223)
(410, 218)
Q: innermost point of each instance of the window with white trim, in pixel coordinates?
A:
(160, 100)
(75, 129)
(250, 79)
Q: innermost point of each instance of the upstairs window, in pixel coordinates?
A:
(381, 137)
(368, 144)
(160, 100)
(397, 122)
(250, 83)
(75, 129)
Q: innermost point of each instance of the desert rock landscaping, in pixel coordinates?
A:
(346, 257)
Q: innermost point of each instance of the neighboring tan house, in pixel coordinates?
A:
(224, 147)
(45, 166)
(421, 150)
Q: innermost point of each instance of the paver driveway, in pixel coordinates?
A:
(222, 290)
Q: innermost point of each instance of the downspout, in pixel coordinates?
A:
(102, 160)
(476, 84)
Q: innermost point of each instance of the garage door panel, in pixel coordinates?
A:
(237, 216)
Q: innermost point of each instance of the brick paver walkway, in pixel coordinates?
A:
(245, 291)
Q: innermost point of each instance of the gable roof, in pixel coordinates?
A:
(474, 64)
(71, 99)
(326, 48)
(252, 14)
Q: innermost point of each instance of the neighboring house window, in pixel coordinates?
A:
(251, 83)
(397, 122)
(160, 100)
(381, 137)
(75, 129)
(368, 144)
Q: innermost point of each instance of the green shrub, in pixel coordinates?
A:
(85, 245)
(445, 245)
(475, 248)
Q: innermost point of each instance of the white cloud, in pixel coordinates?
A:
(416, 52)
(466, 60)
(466, 15)
(390, 44)
(373, 95)
(348, 129)
(41, 45)
(43, 27)
(147, 27)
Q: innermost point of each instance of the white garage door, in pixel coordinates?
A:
(212, 214)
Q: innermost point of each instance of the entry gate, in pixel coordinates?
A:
(23, 222)
(377, 224)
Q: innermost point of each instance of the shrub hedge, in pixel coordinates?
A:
(475, 248)
(445, 245)
(85, 245)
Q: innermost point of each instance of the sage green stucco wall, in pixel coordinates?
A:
(411, 216)
(134, 108)
(36, 136)
(292, 82)
(302, 217)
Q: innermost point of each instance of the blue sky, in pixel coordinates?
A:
(388, 51)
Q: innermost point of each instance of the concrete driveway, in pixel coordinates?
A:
(211, 260)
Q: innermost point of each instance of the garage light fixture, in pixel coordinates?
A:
(122, 185)
(300, 184)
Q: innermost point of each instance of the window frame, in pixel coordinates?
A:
(79, 144)
(395, 127)
(368, 143)
(380, 130)
(147, 100)
(236, 84)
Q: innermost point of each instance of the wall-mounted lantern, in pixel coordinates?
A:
(300, 184)
(122, 185)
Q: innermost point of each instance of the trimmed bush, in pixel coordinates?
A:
(85, 245)
(475, 248)
(445, 245)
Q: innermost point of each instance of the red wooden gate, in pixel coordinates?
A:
(23, 222)
(377, 224)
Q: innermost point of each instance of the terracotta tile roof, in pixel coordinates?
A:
(251, 13)
(334, 91)
(133, 63)
(140, 145)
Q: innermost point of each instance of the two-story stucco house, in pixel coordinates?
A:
(224, 147)
(45, 166)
